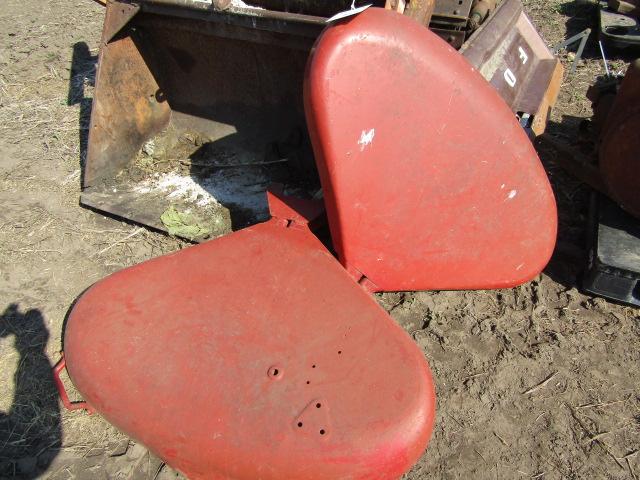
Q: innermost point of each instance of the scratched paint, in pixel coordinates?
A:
(366, 138)
(512, 194)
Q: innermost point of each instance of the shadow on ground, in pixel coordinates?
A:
(30, 431)
(572, 200)
(83, 73)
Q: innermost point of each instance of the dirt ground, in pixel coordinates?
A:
(537, 382)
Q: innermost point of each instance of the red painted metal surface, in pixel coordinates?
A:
(429, 181)
(253, 356)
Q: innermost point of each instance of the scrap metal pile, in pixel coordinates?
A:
(262, 353)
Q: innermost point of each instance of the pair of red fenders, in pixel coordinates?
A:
(258, 355)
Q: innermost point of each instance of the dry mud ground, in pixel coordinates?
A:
(538, 381)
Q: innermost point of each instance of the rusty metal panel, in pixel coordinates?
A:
(117, 16)
(479, 49)
(233, 92)
(509, 53)
(455, 38)
(323, 8)
(247, 16)
(550, 96)
(127, 108)
(449, 21)
(456, 11)
(421, 11)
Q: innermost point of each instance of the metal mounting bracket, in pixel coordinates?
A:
(582, 37)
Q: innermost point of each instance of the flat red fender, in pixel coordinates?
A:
(254, 356)
(429, 181)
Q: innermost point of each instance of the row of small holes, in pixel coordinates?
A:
(322, 430)
(318, 405)
(312, 366)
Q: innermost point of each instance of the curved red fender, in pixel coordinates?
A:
(429, 181)
(254, 356)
